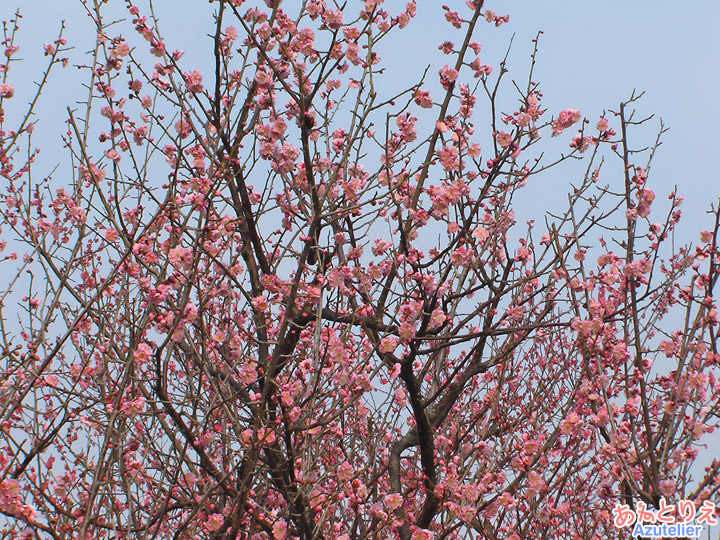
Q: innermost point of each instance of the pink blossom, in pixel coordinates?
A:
(214, 522)
(122, 50)
(480, 69)
(565, 119)
(448, 76)
(193, 81)
(7, 91)
(524, 255)
(581, 143)
(393, 501)
(111, 234)
(406, 332)
(403, 19)
(423, 534)
(449, 157)
(446, 47)
(422, 98)
(667, 487)
(437, 318)
(481, 233)
(406, 123)
(474, 150)
(333, 18)
(231, 32)
(345, 471)
(504, 139)
(260, 303)
(571, 423)
(388, 344)
(143, 353)
(113, 155)
(453, 18)
(279, 530)
(394, 371)
(133, 407)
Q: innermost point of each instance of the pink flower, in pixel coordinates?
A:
(566, 119)
(453, 18)
(423, 534)
(504, 139)
(214, 522)
(260, 303)
(345, 471)
(49, 48)
(122, 49)
(388, 344)
(524, 254)
(194, 82)
(446, 47)
(280, 529)
(394, 371)
(449, 157)
(7, 90)
(111, 234)
(422, 98)
(10, 488)
(474, 150)
(581, 143)
(571, 423)
(481, 233)
(133, 407)
(480, 69)
(437, 318)
(113, 155)
(333, 18)
(393, 501)
(667, 487)
(143, 353)
(406, 332)
(448, 76)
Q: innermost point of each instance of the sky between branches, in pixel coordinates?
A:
(592, 56)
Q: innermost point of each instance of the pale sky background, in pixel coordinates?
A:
(592, 56)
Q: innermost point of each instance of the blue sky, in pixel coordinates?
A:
(592, 56)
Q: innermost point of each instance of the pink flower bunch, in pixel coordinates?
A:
(565, 119)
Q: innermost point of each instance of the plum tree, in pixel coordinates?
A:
(267, 298)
